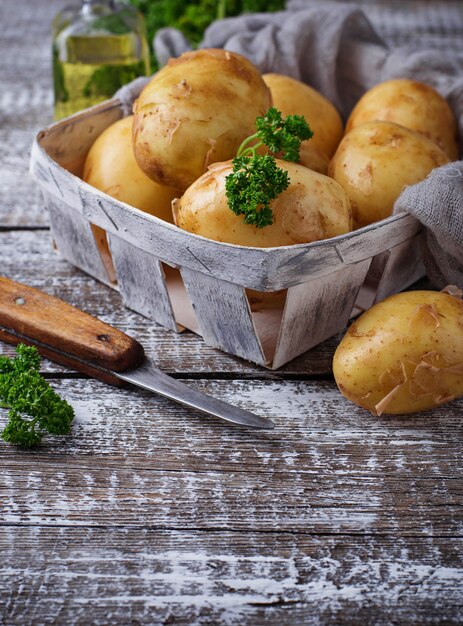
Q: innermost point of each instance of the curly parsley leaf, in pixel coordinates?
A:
(282, 135)
(34, 407)
(256, 179)
(254, 183)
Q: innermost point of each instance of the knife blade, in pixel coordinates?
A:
(67, 335)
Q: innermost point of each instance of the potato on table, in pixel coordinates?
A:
(196, 111)
(411, 104)
(403, 355)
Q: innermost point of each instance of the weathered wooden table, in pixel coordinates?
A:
(151, 514)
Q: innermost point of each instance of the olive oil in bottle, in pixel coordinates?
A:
(97, 48)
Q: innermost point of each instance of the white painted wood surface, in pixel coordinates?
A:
(149, 514)
(224, 315)
(318, 309)
(141, 282)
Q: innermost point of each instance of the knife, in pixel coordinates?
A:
(67, 335)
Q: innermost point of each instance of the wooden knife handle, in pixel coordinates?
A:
(63, 333)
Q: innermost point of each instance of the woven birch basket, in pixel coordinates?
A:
(181, 280)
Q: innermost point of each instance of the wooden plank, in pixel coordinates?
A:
(224, 315)
(75, 240)
(25, 105)
(21, 202)
(141, 282)
(317, 310)
(68, 496)
(328, 467)
(404, 266)
(144, 576)
(317, 432)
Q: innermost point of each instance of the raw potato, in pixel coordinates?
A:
(313, 207)
(313, 159)
(292, 97)
(196, 111)
(413, 105)
(403, 355)
(308, 157)
(375, 161)
(111, 167)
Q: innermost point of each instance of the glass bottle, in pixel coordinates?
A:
(97, 48)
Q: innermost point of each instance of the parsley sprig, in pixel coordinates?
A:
(256, 179)
(34, 407)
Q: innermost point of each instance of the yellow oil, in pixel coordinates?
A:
(88, 69)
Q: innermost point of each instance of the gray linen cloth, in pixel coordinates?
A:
(334, 48)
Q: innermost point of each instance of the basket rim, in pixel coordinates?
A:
(266, 269)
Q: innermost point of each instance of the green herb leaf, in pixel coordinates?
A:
(192, 18)
(34, 407)
(253, 184)
(283, 135)
(256, 179)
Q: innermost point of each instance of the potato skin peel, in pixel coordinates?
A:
(313, 207)
(403, 355)
(196, 111)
